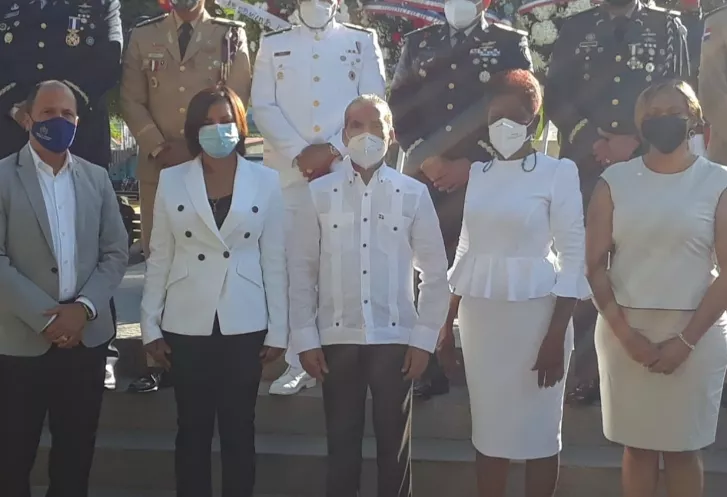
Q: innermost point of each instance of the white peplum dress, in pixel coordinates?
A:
(522, 244)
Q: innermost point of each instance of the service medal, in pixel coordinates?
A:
(8, 37)
(649, 67)
(484, 76)
(72, 39)
(154, 82)
(90, 41)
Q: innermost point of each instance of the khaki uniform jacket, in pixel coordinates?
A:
(157, 84)
(713, 83)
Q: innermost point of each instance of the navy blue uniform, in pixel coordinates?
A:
(75, 41)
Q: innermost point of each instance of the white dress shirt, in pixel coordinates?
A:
(351, 277)
(59, 196)
(512, 220)
(303, 81)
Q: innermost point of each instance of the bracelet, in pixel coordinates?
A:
(685, 342)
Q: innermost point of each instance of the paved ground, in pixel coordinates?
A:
(128, 299)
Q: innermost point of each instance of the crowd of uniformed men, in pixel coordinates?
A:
(305, 76)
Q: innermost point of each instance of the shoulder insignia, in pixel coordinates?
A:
(227, 22)
(589, 11)
(668, 12)
(505, 27)
(279, 31)
(426, 30)
(714, 11)
(358, 28)
(152, 20)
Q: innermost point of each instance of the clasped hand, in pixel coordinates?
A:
(315, 161)
(415, 363)
(66, 330)
(612, 148)
(446, 175)
(664, 357)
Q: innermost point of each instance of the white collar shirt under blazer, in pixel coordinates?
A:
(513, 219)
(303, 81)
(196, 270)
(358, 244)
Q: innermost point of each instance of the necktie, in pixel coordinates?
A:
(459, 38)
(620, 26)
(185, 34)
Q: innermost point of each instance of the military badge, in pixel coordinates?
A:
(72, 38)
(8, 38)
(422, 43)
(352, 76)
(3, 26)
(154, 82)
(649, 67)
(422, 73)
(484, 76)
(280, 75)
(90, 41)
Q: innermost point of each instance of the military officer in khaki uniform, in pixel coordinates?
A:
(713, 82)
(171, 58)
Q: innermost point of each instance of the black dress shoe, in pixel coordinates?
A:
(151, 382)
(585, 394)
(425, 390)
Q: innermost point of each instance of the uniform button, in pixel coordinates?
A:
(315, 55)
(364, 245)
(182, 110)
(182, 88)
(614, 101)
(448, 128)
(54, 270)
(366, 301)
(255, 209)
(43, 26)
(614, 124)
(365, 219)
(396, 228)
(41, 44)
(618, 58)
(617, 79)
(316, 128)
(365, 272)
(226, 254)
(450, 106)
(454, 66)
(182, 68)
(393, 324)
(338, 324)
(247, 235)
(316, 103)
(40, 67)
(451, 86)
(188, 234)
(335, 226)
(200, 257)
(316, 79)
(180, 208)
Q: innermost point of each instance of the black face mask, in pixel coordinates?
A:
(665, 133)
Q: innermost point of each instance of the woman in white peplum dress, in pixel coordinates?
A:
(515, 297)
(661, 219)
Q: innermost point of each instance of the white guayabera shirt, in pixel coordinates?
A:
(351, 260)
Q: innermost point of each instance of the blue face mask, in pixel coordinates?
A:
(219, 140)
(55, 135)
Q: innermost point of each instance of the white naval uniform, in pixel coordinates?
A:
(303, 80)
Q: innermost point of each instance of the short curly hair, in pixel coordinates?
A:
(520, 83)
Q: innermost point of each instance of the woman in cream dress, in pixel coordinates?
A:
(660, 336)
(514, 296)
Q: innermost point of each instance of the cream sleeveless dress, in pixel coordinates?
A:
(662, 265)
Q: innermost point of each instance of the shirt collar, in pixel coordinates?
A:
(42, 166)
(630, 14)
(382, 174)
(483, 24)
(178, 21)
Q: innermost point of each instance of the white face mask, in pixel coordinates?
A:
(366, 150)
(508, 136)
(460, 14)
(316, 14)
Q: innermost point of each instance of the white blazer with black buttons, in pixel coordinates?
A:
(196, 270)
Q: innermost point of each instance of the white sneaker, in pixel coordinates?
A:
(292, 382)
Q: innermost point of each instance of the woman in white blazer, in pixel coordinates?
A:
(215, 303)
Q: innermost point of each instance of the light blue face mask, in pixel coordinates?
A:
(219, 140)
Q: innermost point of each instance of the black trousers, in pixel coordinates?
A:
(353, 370)
(68, 386)
(215, 377)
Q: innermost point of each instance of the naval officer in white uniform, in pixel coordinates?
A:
(304, 78)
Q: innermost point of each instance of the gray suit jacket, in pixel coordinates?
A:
(28, 269)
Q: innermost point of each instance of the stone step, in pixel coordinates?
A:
(302, 414)
(295, 465)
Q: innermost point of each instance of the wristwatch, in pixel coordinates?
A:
(334, 151)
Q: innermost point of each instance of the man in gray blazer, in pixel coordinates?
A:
(63, 252)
